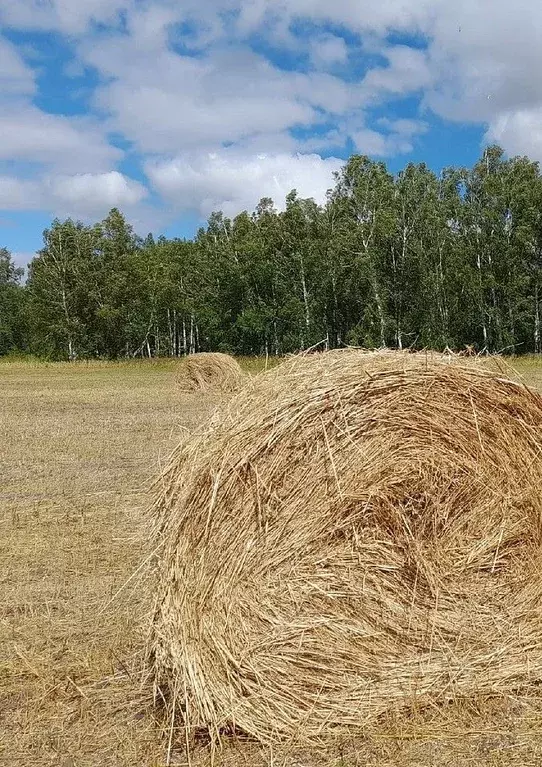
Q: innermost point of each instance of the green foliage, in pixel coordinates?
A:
(412, 260)
(12, 301)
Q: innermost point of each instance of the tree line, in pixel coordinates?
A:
(413, 259)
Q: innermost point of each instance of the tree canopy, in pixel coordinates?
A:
(414, 259)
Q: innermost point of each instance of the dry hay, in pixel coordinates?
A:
(360, 533)
(209, 371)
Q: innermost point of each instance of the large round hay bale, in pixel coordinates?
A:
(209, 371)
(359, 532)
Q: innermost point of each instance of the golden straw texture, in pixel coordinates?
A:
(209, 371)
(358, 532)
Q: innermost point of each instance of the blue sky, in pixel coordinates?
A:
(171, 109)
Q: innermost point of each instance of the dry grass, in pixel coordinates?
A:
(209, 372)
(360, 534)
(77, 445)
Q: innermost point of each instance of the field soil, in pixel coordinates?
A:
(79, 445)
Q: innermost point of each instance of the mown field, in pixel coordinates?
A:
(79, 444)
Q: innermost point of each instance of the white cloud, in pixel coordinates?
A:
(96, 191)
(405, 126)
(397, 137)
(68, 144)
(80, 195)
(18, 194)
(328, 50)
(230, 181)
(162, 121)
(72, 16)
(149, 25)
(54, 162)
(167, 103)
(372, 142)
(372, 15)
(407, 71)
(519, 131)
(15, 76)
(484, 55)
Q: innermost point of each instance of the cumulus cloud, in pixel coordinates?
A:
(371, 142)
(519, 131)
(97, 191)
(474, 61)
(18, 194)
(31, 135)
(59, 164)
(396, 137)
(15, 76)
(72, 16)
(407, 71)
(229, 181)
(327, 50)
(404, 126)
(375, 16)
(79, 195)
(165, 102)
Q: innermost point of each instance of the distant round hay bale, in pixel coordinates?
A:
(360, 531)
(209, 371)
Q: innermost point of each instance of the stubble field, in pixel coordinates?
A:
(79, 444)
